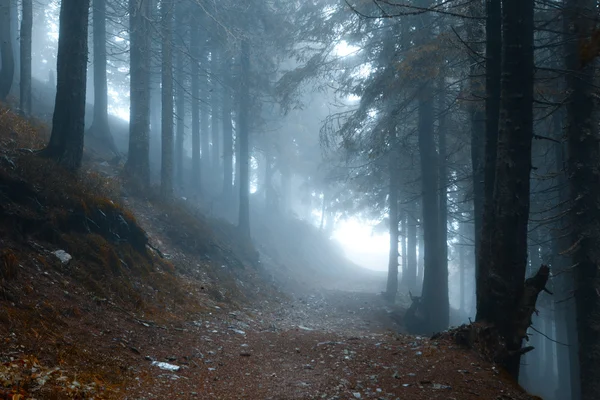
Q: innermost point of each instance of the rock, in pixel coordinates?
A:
(166, 366)
(63, 256)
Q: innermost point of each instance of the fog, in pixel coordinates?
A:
(347, 140)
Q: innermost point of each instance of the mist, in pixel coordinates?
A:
(423, 168)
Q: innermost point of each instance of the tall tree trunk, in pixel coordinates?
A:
(7, 68)
(25, 42)
(402, 240)
(462, 266)
(166, 170)
(443, 174)
(100, 127)
(477, 112)
(493, 64)
(204, 122)
(137, 167)
(195, 50)
(584, 175)
(227, 130)
(215, 106)
(180, 106)
(504, 242)
(411, 248)
(566, 330)
(68, 121)
(392, 278)
(243, 136)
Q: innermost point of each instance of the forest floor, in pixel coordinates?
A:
(204, 319)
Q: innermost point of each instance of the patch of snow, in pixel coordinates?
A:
(63, 256)
(166, 366)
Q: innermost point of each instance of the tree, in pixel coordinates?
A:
(582, 164)
(68, 121)
(501, 300)
(7, 68)
(243, 137)
(100, 127)
(166, 170)
(25, 64)
(137, 168)
(195, 51)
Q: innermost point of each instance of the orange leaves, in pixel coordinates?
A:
(8, 264)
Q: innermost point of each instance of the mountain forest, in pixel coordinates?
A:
(299, 199)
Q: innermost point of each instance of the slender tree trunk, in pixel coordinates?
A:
(462, 266)
(166, 171)
(243, 136)
(100, 127)
(492, 112)
(443, 174)
(402, 240)
(392, 279)
(196, 175)
(477, 111)
(26, 40)
(504, 242)
(7, 68)
(411, 249)
(180, 106)
(583, 169)
(204, 123)
(137, 167)
(215, 116)
(227, 131)
(66, 140)
(564, 305)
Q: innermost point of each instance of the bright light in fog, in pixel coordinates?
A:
(343, 49)
(362, 246)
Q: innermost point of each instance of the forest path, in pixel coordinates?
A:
(334, 341)
(332, 346)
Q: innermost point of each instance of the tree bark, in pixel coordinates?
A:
(243, 137)
(180, 101)
(493, 64)
(215, 116)
(137, 168)
(25, 64)
(166, 170)
(7, 68)
(443, 174)
(195, 50)
(411, 248)
(68, 121)
(504, 242)
(392, 278)
(227, 131)
(100, 127)
(583, 168)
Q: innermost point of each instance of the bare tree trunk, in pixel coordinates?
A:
(7, 68)
(584, 175)
(227, 131)
(25, 42)
(137, 167)
(243, 137)
(100, 127)
(68, 121)
(492, 112)
(215, 116)
(504, 242)
(196, 175)
(411, 248)
(166, 170)
(180, 101)
(392, 279)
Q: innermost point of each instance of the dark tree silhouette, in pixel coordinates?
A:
(7, 68)
(68, 122)
(25, 64)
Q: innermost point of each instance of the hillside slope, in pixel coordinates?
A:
(147, 300)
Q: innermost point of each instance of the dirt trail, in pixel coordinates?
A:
(315, 343)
